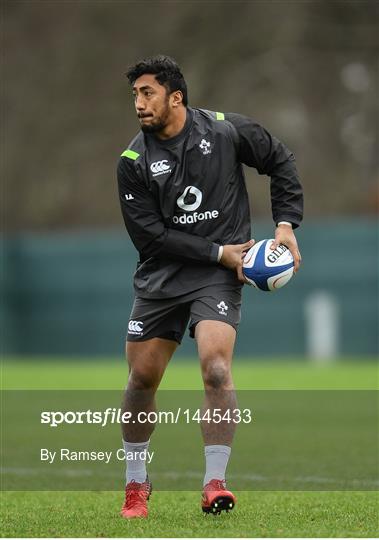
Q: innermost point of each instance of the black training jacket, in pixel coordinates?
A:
(183, 197)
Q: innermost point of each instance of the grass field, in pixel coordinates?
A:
(177, 514)
(280, 514)
(79, 373)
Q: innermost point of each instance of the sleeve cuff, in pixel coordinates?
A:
(215, 249)
(293, 218)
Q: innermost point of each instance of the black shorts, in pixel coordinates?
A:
(168, 318)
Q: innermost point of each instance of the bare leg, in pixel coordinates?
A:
(215, 341)
(147, 363)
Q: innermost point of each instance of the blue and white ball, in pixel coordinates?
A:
(268, 269)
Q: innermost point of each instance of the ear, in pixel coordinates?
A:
(176, 98)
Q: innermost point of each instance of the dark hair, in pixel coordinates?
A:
(166, 71)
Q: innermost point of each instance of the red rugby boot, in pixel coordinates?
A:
(136, 497)
(217, 498)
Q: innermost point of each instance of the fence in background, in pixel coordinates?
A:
(71, 293)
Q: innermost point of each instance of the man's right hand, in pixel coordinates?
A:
(233, 255)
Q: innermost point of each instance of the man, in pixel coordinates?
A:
(185, 206)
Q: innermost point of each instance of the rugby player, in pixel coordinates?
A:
(185, 206)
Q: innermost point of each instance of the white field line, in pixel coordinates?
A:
(175, 475)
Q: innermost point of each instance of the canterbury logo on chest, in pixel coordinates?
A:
(160, 167)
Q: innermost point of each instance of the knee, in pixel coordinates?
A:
(216, 375)
(143, 379)
(146, 367)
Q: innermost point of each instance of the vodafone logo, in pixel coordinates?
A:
(192, 190)
(135, 327)
(194, 197)
(160, 167)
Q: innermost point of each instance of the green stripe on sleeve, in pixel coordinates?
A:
(130, 154)
(220, 116)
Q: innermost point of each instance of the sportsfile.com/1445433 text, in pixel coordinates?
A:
(116, 416)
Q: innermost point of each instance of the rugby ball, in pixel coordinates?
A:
(267, 269)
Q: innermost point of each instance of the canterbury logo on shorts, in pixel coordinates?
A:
(135, 327)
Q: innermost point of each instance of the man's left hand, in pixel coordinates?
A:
(285, 235)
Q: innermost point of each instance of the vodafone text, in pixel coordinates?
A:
(195, 217)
